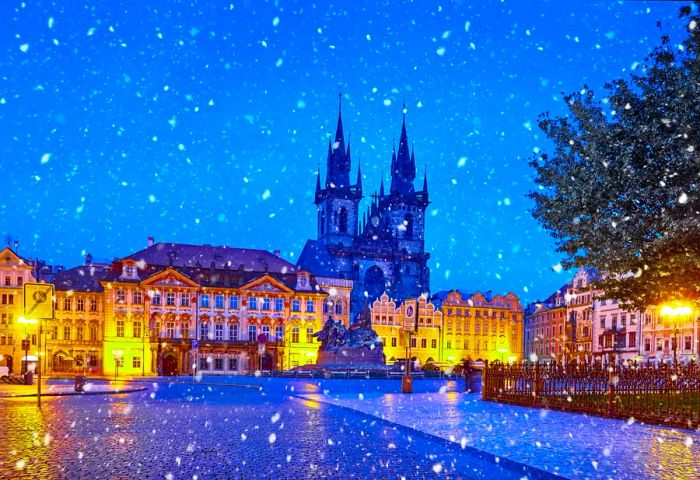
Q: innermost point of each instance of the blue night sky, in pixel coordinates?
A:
(204, 122)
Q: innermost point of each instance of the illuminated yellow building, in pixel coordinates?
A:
(389, 319)
(14, 273)
(452, 327)
(165, 312)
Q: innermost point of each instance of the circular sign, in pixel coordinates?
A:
(262, 339)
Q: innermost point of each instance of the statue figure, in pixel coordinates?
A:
(332, 334)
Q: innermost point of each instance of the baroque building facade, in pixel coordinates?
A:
(451, 327)
(583, 325)
(382, 249)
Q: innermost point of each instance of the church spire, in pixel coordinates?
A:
(359, 175)
(425, 180)
(403, 170)
(381, 186)
(338, 175)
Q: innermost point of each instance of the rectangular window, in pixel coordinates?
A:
(20, 281)
(279, 304)
(233, 301)
(477, 326)
(466, 344)
(156, 300)
(659, 345)
(66, 304)
(184, 299)
(93, 332)
(423, 343)
(632, 339)
(66, 333)
(266, 331)
(433, 343)
(93, 305)
(279, 333)
(602, 321)
(253, 303)
(393, 341)
(8, 281)
(449, 343)
(120, 328)
(185, 331)
(687, 343)
(204, 300)
(647, 318)
(647, 344)
(203, 363)
(623, 319)
(204, 331)
(295, 335)
(80, 305)
(219, 301)
(309, 335)
(170, 330)
(310, 306)
(136, 362)
(79, 332)
(252, 332)
(170, 299)
(296, 306)
(232, 364)
(413, 342)
(121, 296)
(218, 364)
(137, 329)
(136, 298)
(219, 331)
(233, 332)
(266, 304)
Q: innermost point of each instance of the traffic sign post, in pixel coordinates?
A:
(39, 304)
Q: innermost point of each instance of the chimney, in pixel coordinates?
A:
(88, 259)
(150, 241)
(277, 252)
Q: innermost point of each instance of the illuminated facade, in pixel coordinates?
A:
(547, 332)
(14, 273)
(600, 329)
(167, 313)
(452, 327)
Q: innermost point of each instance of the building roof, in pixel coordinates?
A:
(438, 297)
(85, 278)
(184, 255)
(316, 259)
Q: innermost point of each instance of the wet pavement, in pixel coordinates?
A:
(200, 431)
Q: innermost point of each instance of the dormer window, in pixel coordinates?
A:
(129, 270)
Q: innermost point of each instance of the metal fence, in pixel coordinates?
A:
(645, 392)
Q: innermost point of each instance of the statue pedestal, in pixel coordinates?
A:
(348, 357)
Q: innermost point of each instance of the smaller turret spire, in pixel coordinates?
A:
(425, 180)
(359, 173)
(318, 179)
(381, 186)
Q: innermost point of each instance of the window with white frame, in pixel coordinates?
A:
(219, 331)
(233, 301)
(252, 332)
(233, 331)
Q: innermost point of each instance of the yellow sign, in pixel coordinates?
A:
(38, 300)
(404, 338)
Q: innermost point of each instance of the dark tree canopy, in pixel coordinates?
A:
(620, 190)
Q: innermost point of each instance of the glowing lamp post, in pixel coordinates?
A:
(117, 360)
(673, 312)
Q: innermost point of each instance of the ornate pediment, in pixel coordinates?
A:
(169, 278)
(266, 287)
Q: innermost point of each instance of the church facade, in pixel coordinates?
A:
(381, 249)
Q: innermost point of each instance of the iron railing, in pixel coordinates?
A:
(646, 392)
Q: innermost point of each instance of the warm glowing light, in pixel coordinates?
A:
(678, 310)
(27, 321)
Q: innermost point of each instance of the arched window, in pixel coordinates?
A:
(408, 223)
(338, 308)
(343, 222)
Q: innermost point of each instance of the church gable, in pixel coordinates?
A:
(8, 258)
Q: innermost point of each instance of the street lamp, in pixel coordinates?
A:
(673, 312)
(117, 360)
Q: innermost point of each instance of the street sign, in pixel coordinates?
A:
(25, 344)
(261, 348)
(38, 300)
(410, 317)
(195, 344)
(262, 339)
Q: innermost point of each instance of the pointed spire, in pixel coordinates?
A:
(359, 174)
(403, 172)
(381, 186)
(425, 180)
(318, 179)
(339, 129)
